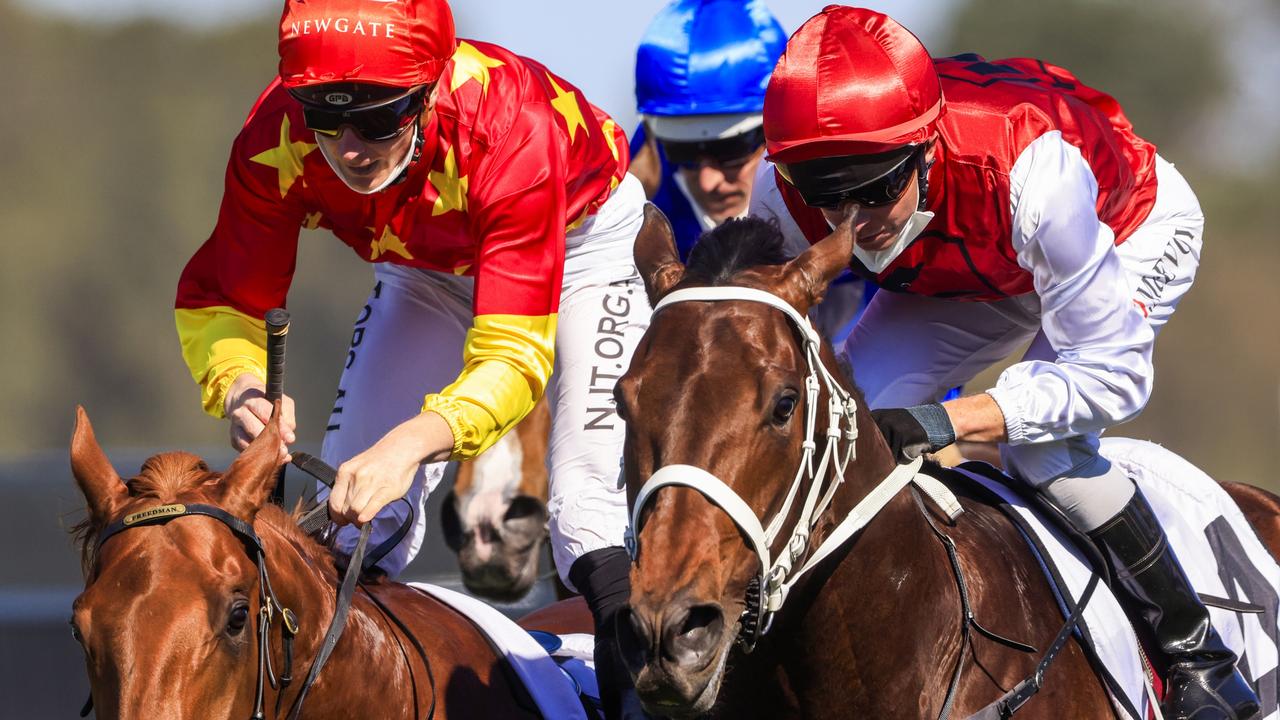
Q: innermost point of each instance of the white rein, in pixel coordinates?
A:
(779, 575)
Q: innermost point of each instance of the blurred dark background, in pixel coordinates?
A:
(116, 129)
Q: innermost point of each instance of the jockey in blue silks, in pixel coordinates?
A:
(701, 72)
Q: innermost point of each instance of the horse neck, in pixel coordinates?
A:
(310, 592)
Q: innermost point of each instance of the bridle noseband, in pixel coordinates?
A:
(778, 576)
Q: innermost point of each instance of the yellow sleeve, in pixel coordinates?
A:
(507, 362)
(219, 344)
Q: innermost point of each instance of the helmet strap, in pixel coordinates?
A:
(923, 166)
(418, 140)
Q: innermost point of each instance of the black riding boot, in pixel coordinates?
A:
(604, 579)
(1201, 680)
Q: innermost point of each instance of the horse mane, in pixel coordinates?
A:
(733, 246)
(165, 477)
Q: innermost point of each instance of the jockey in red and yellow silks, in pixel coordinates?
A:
(1001, 203)
(512, 156)
(494, 201)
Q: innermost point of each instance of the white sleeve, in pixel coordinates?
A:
(767, 204)
(1103, 373)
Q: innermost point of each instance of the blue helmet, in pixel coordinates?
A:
(707, 57)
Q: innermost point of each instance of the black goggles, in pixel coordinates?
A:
(868, 180)
(381, 122)
(726, 151)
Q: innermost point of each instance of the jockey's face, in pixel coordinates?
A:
(367, 166)
(722, 188)
(876, 228)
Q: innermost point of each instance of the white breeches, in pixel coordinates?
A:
(408, 342)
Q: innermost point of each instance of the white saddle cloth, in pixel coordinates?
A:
(555, 694)
(1213, 541)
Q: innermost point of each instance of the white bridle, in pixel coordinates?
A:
(779, 575)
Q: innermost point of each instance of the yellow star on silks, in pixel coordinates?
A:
(286, 158)
(607, 128)
(452, 189)
(388, 243)
(471, 64)
(566, 103)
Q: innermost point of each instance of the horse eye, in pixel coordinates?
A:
(239, 616)
(785, 406)
(75, 632)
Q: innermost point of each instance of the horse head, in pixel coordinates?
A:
(166, 619)
(724, 387)
(495, 518)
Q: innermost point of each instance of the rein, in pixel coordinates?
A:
(778, 576)
(268, 602)
(767, 592)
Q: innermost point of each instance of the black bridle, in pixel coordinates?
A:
(269, 604)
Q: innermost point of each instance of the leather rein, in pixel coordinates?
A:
(269, 604)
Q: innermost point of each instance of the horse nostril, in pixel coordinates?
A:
(635, 639)
(688, 637)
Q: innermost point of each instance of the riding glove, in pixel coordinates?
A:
(915, 430)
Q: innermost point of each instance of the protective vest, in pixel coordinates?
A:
(994, 110)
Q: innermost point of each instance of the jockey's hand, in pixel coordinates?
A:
(384, 473)
(915, 430)
(249, 411)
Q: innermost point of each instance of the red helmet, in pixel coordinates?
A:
(852, 81)
(391, 43)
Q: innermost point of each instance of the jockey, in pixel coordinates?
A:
(495, 204)
(1000, 203)
(701, 72)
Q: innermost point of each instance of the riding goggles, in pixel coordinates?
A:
(375, 124)
(868, 180)
(720, 152)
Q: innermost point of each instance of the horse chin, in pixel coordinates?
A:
(679, 694)
(504, 579)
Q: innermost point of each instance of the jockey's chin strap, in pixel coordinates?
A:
(778, 575)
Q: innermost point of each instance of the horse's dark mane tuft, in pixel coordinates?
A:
(734, 246)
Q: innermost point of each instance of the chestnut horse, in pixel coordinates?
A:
(169, 615)
(495, 517)
(717, 388)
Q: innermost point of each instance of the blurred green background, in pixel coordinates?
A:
(115, 131)
(116, 136)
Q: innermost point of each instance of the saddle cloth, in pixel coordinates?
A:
(553, 688)
(1219, 550)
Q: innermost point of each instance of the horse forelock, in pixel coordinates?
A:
(166, 477)
(734, 246)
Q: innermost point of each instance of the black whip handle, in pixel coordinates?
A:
(277, 320)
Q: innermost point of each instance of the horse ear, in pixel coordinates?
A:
(656, 256)
(807, 277)
(99, 482)
(250, 479)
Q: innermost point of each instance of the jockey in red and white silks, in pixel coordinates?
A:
(1000, 203)
(495, 201)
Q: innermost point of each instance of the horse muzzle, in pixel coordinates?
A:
(675, 655)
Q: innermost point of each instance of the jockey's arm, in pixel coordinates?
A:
(244, 268)
(517, 203)
(1099, 370)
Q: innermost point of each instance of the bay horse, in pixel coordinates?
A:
(720, 387)
(495, 516)
(169, 613)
